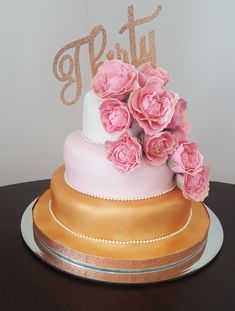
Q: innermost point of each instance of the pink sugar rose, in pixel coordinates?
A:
(114, 115)
(178, 116)
(153, 106)
(187, 159)
(147, 71)
(115, 79)
(181, 133)
(158, 147)
(124, 153)
(194, 187)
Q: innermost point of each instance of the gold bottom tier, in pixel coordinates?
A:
(144, 219)
(170, 255)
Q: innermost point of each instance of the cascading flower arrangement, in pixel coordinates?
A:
(141, 96)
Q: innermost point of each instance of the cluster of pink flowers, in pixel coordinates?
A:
(141, 96)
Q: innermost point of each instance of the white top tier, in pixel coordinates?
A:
(92, 128)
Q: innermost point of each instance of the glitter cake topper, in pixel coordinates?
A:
(71, 76)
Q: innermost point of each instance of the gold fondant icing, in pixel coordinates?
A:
(137, 255)
(118, 220)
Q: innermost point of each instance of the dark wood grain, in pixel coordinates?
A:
(26, 283)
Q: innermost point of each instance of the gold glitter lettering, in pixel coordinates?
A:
(66, 65)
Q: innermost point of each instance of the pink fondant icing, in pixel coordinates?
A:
(89, 171)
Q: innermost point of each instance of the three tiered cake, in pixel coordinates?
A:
(126, 205)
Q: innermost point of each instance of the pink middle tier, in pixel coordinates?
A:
(88, 171)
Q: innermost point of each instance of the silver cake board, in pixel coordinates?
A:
(65, 264)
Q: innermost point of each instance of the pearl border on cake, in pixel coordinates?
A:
(88, 140)
(101, 240)
(117, 199)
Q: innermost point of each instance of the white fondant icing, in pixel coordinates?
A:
(92, 127)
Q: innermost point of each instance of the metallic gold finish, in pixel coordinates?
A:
(142, 219)
(118, 220)
(179, 246)
(120, 271)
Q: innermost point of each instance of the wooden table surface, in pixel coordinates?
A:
(26, 283)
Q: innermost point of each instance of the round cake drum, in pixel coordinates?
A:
(80, 257)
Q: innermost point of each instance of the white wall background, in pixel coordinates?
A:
(196, 43)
